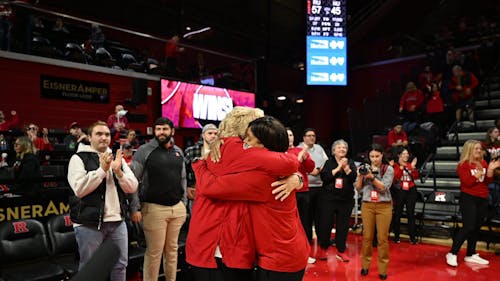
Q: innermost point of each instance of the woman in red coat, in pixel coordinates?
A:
(475, 174)
(282, 248)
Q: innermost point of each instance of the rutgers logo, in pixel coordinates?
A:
(20, 227)
(67, 221)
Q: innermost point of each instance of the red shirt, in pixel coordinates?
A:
(399, 175)
(435, 103)
(305, 167)
(411, 98)
(113, 122)
(468, 82)
(7, 125)
(229, 224)
(469, 183)
(41, 145)
(393, 137)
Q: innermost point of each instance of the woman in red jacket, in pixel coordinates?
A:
(475, 174)
(220, 245)
(281, 245)
(405, 174)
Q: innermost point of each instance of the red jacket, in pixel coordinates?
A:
(41, 145)
(399, 175)
(227, 223)
(113, 120)
(393, 137)
(411, 98)
(469, 183)
(468, 82)
(7, 125)
(305, 167)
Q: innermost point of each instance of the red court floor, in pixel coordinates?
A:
(421, 262)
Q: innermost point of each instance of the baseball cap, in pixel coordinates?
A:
(209, 126)
(73, 125)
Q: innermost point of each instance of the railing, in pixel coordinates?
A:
(454, 130)
(425, 173)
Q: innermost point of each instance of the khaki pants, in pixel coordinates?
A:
(162, 225)
(377, 214)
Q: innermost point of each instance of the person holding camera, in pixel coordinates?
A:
(337, 200)
(405, 173)
(374, 181)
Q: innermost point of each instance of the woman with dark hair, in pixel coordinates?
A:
(491, 143)
(26, 168)
(405, 174)
(374, 181)
(281, 246)
(475, 174)
(336, 201)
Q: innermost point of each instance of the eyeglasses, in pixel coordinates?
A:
(33, 128)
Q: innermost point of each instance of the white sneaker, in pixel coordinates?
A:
(311, 260)
(451, 259)
(476, 259)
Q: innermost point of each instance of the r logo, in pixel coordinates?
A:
(67, 221)
(20, 227)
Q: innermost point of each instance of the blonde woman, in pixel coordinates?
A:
(26, 168)
(475, 174)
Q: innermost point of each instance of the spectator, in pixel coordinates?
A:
(26, 169)
(397, 138)
(435, 107)
(302, 195)
(128, 153)
(410, 104)
(336, 201)
(8, 125)
(491, 144)
(132, 139)
(462, 86)
(172, 55)
(374, 182)
(97, 37)
(425, 78)
(41, 143)
(159, 165)
(59, 26)
(98, 205)
(117, 122)
(497, 123)
(202, 147)
(405, 174)
(5, 26)
(75, 137)
(475, 175)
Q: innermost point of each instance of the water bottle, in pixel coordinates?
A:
(3, 144)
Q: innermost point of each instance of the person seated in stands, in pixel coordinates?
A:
(491, 144)
(128, 152)
(26, 168)
(41, 143)
(397, 138)
(132, 139)
(425, 78)
(117, 121)
(8, 125)
(462, 87)
(59, 26)
(97, 36)
(75, 137)
(410, 105)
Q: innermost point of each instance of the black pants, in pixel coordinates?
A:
(408, 198)
(314, 202)
(269, 275)
(221, 273)
(304, 213)
(330, 210)
(474, 210)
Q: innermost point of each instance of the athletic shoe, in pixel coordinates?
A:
(476, 259)
(451, 259)
(342, 257)
(311, 260)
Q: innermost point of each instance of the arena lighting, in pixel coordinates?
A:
(188, 28)
(281, 98)
(205, 29)
(299, 101)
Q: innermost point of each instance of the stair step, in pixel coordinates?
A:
(440, 183)
(485, 103)
(488, 113)
(468, 136)
(443, 166)
(492, 94)
(482, 125)
(447, 150)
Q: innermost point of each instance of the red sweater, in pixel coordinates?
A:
(469, 183)
(399, 174)
(7, 125)
(468, 82)
(228, 223)
(41, 145)
(305, 167)
(393, 137)
(411, 98)
(435, 103)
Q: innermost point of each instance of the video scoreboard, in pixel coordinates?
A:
(326, 51)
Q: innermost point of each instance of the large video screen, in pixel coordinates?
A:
(192, 105)
(326, 50)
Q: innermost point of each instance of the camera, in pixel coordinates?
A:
(364, 168)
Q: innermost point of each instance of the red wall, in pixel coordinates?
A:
(21, 92)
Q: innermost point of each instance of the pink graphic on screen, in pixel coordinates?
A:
(192, 105)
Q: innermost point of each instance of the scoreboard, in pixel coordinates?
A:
(326, 51)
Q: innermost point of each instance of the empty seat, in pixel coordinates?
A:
(24, 252)
(64, 248)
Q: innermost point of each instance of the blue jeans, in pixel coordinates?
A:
(89, 239)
